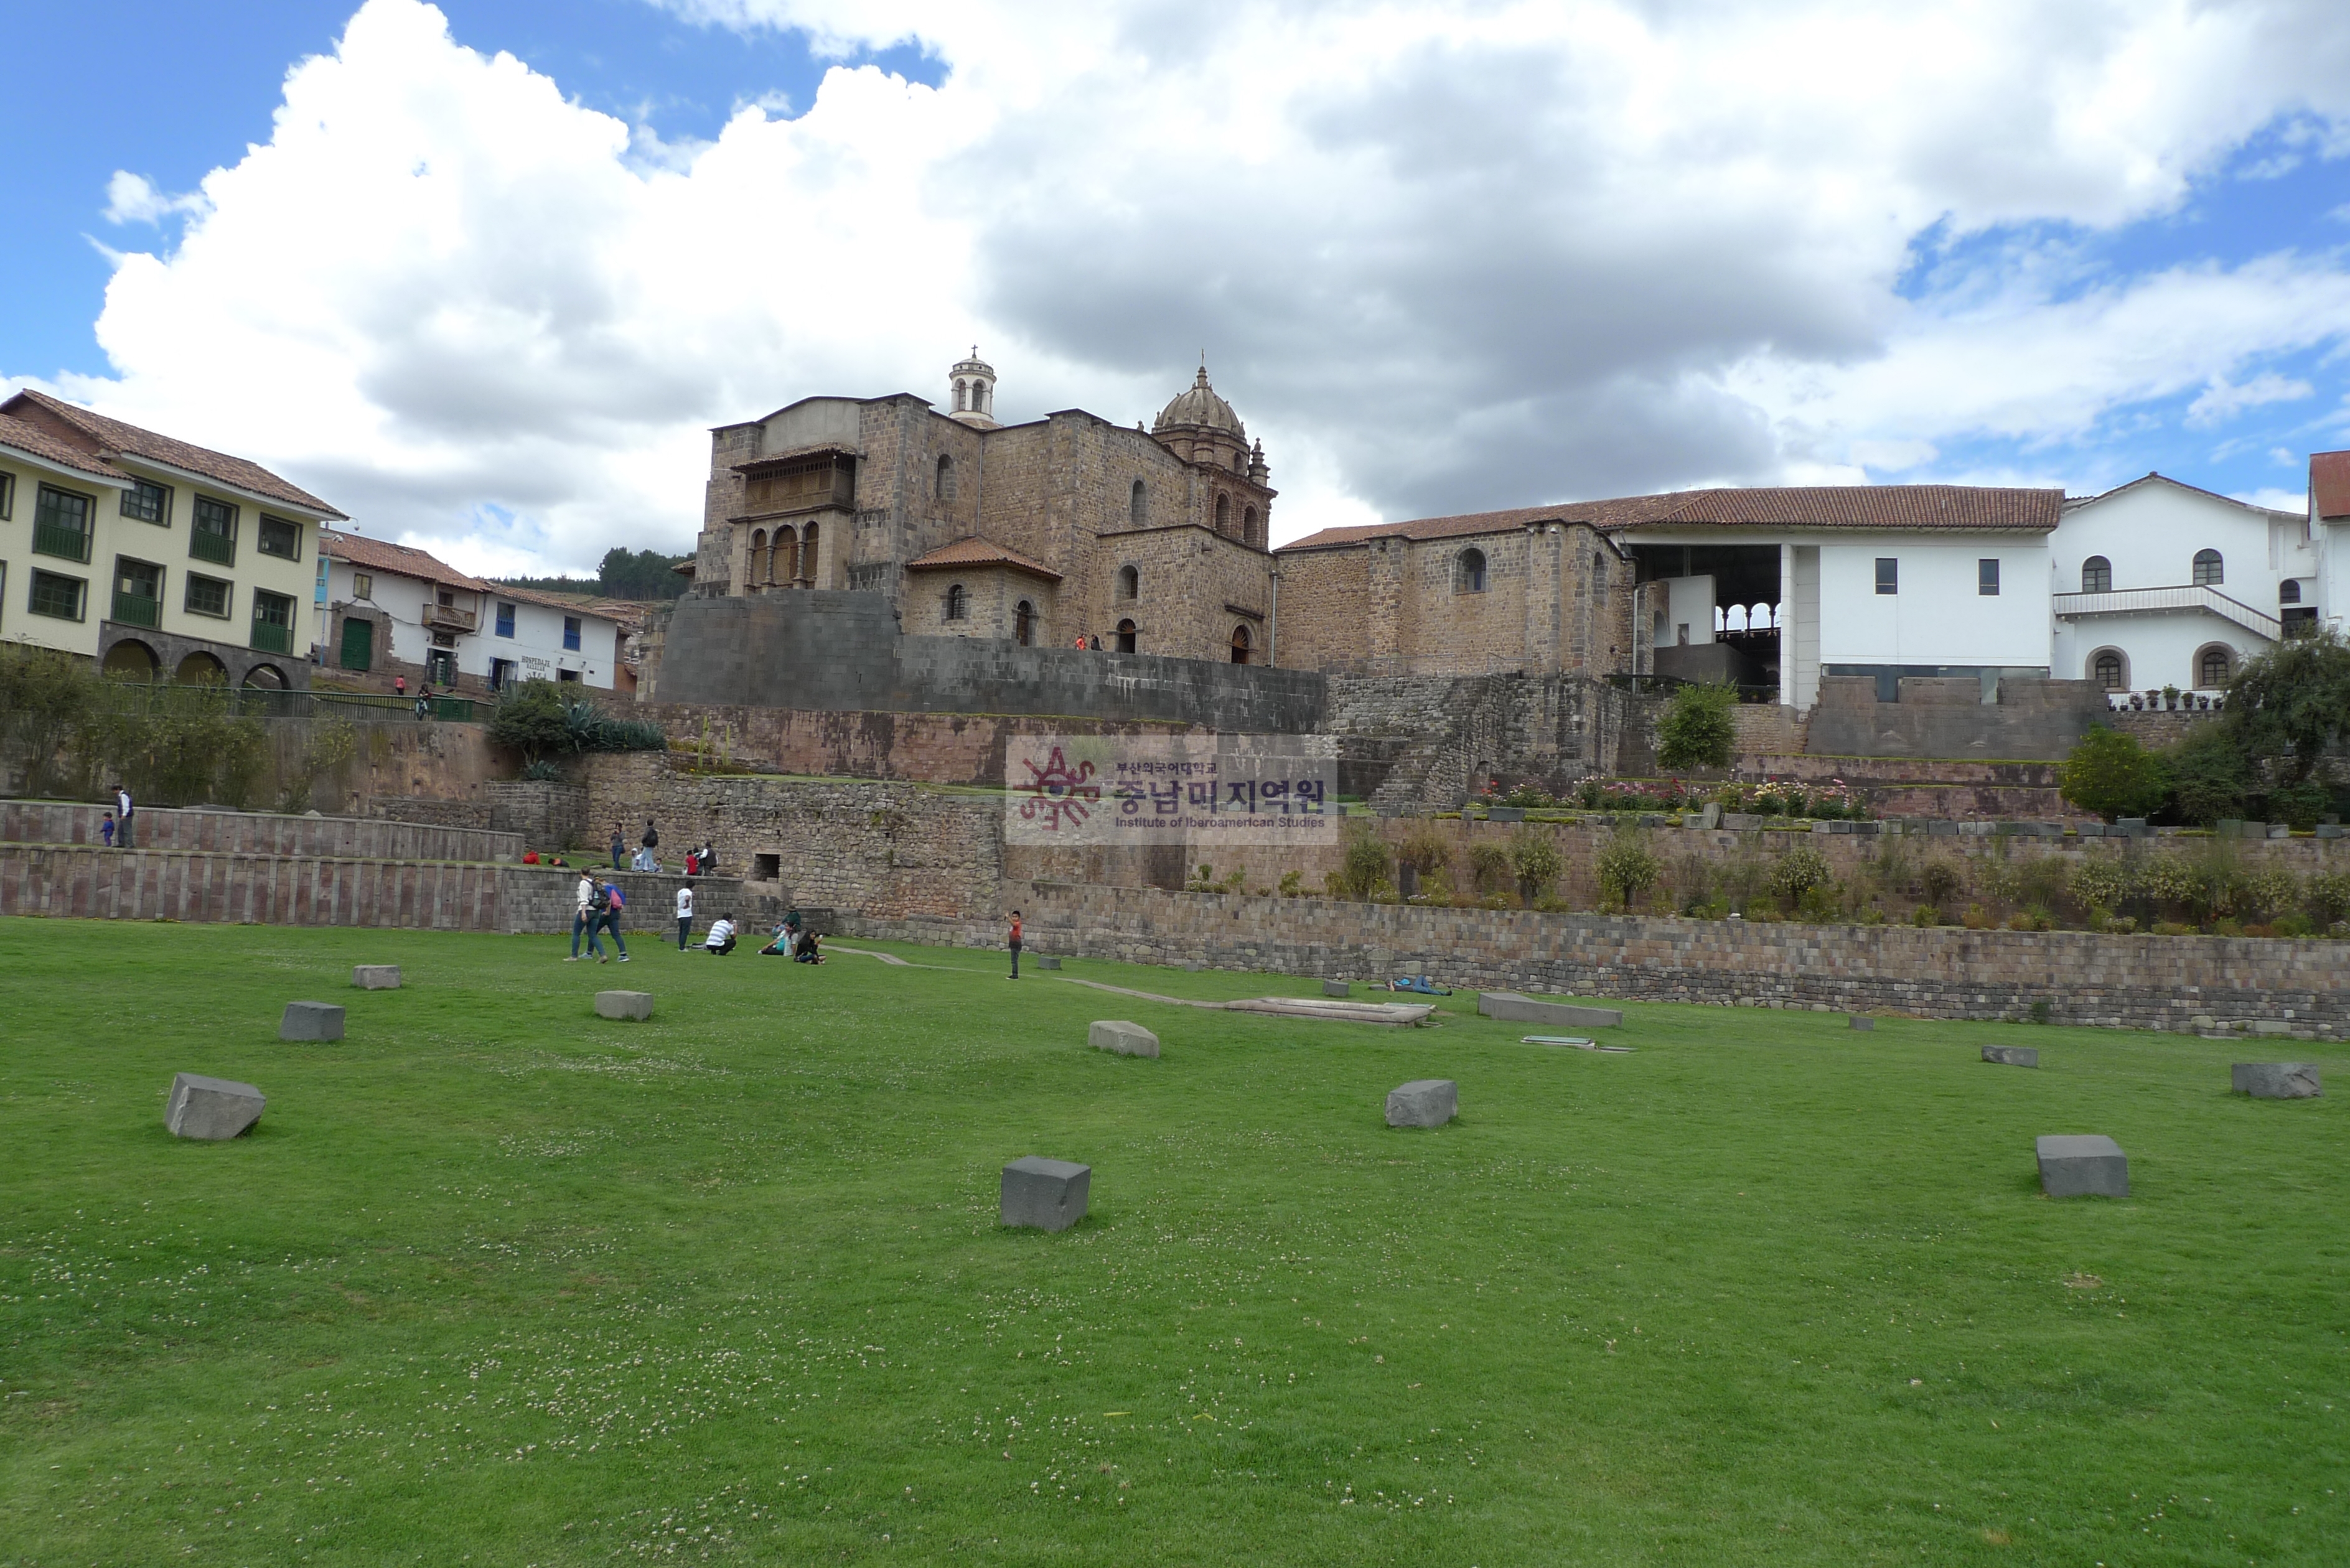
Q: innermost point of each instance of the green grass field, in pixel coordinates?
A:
(495, 1280)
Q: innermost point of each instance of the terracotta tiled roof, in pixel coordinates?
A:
(2329, 483)
(972, 550)
(376, 555)
(1968, 508)
(112, 436)
(36, 441)
(585, 606)
(2165, 480)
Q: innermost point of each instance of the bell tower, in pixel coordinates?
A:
(972, 392)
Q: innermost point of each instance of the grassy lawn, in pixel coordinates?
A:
(496, 1280)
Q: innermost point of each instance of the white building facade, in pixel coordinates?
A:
(397, 610)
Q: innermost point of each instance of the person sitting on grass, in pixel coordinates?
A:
(805, 950)
(720, 938)
(779, 941)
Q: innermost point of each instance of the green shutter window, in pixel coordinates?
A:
(213, 537)
(56, 595)
(61, 524)
(207, 596)
(273, 622)
(146, 502)
(137, 592)
(279, 538)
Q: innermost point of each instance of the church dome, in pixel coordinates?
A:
(1198, 407)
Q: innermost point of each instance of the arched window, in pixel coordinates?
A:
(2096, 576)
(1138, 505)
(2109, 670)
(1023, 623)
(809, 555)
(1468, 572)
(1247, 524)
(2213, 666)
(958, 602)
(1125, 637)
(1130, 582)
(2289, 592)
(1239, 463)
(1241, 645)
(2210, 570)
(962, 393)
(758, 573)
(784, 566)
(1223, 514)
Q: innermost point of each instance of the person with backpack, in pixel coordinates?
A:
(651, 842)
(583, 917)
(613, 903)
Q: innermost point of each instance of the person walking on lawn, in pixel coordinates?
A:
(1016, 944)
(684, 915)
(583, 917)
(613, 904)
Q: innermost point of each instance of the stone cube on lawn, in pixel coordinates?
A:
(1336, 987)
(377, 977)
(311, 1021)
(631, 1004)
(1049, 960)
(1045, 1194)
(1423, 1103)
(2013, 1055)
(211, 1107)
(2275, 1080)
(1512, 1008)
(1126, 1039)
(1861, 1021)
(2083, 1165)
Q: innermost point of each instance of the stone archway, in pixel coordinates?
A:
(265, 677)
(132, 659)
(200, 669)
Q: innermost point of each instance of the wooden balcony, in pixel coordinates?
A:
(449, 617)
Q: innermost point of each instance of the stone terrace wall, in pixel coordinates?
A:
(254, 833)
(920, 748)
(431, 811)
(2146, 982)
(264, 889)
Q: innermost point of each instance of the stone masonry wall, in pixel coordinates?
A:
(2147, 982)
(254, 833)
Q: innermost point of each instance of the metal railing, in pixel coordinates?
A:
(203, 545)
(448, 618)
(58, 539)
(271, 702)
(137, 609)
(269, 639)
(2132, 601)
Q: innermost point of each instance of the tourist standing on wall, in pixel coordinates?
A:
(651, 842)
(583, 916)
(1016, 944)
(122, 809)
(684, 916)
(619, 849)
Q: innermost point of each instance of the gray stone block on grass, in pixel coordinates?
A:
(1861, 1021)
(628, 1005)
(2083, 1165)
(1336, 988)
(1193, 966)
(1047, 960)
(377, 977)
(2275, 1080)
(1423, 1103)
(1044, 1194)
(311, 1021)
(212, 1108)
(1512, 1008)
(1126, 1039)
(2013, 1055)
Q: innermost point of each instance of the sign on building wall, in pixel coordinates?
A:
(1078, 791)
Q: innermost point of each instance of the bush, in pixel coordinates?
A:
(1799, 870)
(1489, 868)
(2112, 774)
(1424, 850)
(1939, 880)
(1365, 867)
(1293, 884)
(2101, 883)
(1626, 866)
(2327, 894)
(1535, 860)
(1697, 730)
(537, 720)
(2208, 776)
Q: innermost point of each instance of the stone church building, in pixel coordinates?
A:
(1063, 529)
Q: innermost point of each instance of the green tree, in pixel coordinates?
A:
(1799, 870)
(1626, 867)
(1365, 866)
(2209, 776)
(534, 721)
(2113, 776)
(2289, 705)
(46, 698)
(1697, 730)
(1535, 860)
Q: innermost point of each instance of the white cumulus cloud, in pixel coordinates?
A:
(1443, 256)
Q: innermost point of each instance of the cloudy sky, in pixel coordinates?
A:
(482, 275)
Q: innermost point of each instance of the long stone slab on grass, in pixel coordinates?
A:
(2275, 1080)
(1510, 1007)
(2013, 1055)
(1423, 1103)
(1336, 988)
(1043, 1194)
(1861, 1021)
(629, 1004)
(2083, 1165)
(213, 1108)
(1126, 1039)
(311, 1021)
(376, 977)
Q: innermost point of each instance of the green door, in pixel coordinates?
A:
(359, 644)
